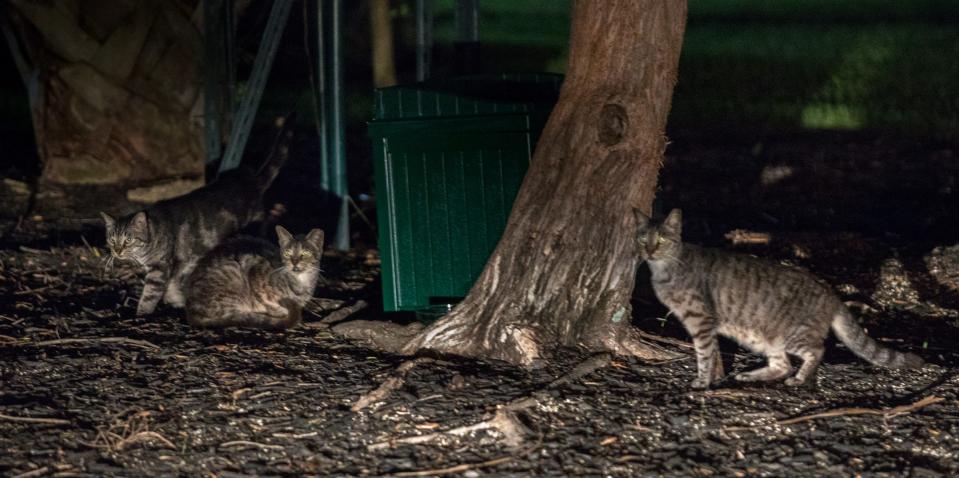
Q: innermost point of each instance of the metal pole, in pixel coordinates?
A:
(338, 151)
(467, 47)
(424, 38)
(212, 78)
(254, 90)
(229, 102)
(323, 112)
(467, 21)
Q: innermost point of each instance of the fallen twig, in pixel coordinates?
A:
(46, 421)
(457, 468)
(144, 436)
(665, 340)
(848, 411)
(231, 444)
(87, 340)
(393, 382)
(32, 473)
(885, 412)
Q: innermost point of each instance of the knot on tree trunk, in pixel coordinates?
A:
(613, 121)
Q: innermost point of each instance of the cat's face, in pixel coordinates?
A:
(127, 238)
(301, 254)
(660, 241)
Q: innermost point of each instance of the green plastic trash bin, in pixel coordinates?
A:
(449, 157)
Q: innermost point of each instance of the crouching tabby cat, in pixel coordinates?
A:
(766, 307)
(169, 237)
(249, 282)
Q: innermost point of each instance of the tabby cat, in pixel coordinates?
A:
(249, 282)
(169, 237)
(766, 307)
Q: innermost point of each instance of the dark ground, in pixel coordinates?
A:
(872, 217)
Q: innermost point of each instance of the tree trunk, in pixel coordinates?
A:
(115, 89)
(564, 270)
(381, 37)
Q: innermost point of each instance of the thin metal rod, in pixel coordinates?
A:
(424, 38)
(230, 101)
(240, 132)
(467, 21)
(338, 150)
(321, 79)
(213, 77)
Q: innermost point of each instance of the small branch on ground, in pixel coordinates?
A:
(848, 411)
(245, 443)
(666, 340)
(457, 468)
(92, 340)
(144, 436)
(45, 421)
(393, 382)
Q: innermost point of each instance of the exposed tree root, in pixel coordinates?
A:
(384, 336)
(517, 345)
(584, 368)
(393, 382)
(505, 419)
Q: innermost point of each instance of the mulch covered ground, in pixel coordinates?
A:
(86, 389)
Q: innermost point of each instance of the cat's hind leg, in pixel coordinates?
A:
(811, 356)
(777, 367)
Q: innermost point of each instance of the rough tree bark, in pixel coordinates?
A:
(115, 89)
(563, 273)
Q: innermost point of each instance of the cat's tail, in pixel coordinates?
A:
(279, 153)
(845, 327)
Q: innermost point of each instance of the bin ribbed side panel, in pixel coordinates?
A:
(448, 210)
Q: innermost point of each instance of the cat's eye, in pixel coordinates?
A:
(287, 254)
(306, 254)
(660, 240)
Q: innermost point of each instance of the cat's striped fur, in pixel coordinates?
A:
(766, 307)
(169, 237)
(248, 282)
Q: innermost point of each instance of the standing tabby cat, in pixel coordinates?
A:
(249, 282)
(766, 307)
(169, 237)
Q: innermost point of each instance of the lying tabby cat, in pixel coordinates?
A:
(766, 307)
(169, 237)
(249, 282)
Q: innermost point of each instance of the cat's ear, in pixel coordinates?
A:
(674, 222)
(642, 220)
(284, 236)
(315, 238)
(139, 225)
(108, 220)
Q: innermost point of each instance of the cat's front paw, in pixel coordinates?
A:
(145, 310)
(794, 382)
(700, 384)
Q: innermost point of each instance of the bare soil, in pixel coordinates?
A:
(86, 389)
